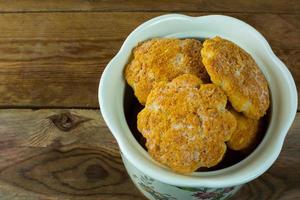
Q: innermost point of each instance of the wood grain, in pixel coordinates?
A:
(70, 154)
(60, 154)
(65, 53)
(266, 6)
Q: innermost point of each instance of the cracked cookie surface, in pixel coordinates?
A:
(163, 59)
(236, 72)
(186, 124)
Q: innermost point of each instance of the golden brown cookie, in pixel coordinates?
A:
(162, 60)
(236, 72)
(246, 131)
(185, 124)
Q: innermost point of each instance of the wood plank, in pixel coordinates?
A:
(117, 25)
(59, 50)
(70, 154)
(266, 6)
(60, 154)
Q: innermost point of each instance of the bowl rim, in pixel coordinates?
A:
(230, 176)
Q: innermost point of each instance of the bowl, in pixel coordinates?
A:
(157, 181)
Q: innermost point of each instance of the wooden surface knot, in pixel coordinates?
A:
(96, 172)
(67, 121)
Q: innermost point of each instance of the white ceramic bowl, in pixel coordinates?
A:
(283, 109)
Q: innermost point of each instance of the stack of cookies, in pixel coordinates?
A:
(199, 100)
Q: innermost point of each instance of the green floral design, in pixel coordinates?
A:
(190, 189)
(216, 194)
(147, 184)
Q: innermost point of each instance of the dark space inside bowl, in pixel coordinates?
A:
(201, 39)
(132, 107)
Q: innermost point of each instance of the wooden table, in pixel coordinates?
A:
(53, 141)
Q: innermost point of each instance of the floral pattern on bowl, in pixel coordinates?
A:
(147, 184)
(156, 190)
(214, 194)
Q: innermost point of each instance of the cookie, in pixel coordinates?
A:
(245, 134)
(236, 72)
(186, 124)
(162, 60)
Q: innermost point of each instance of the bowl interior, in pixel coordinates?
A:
(132, 107)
